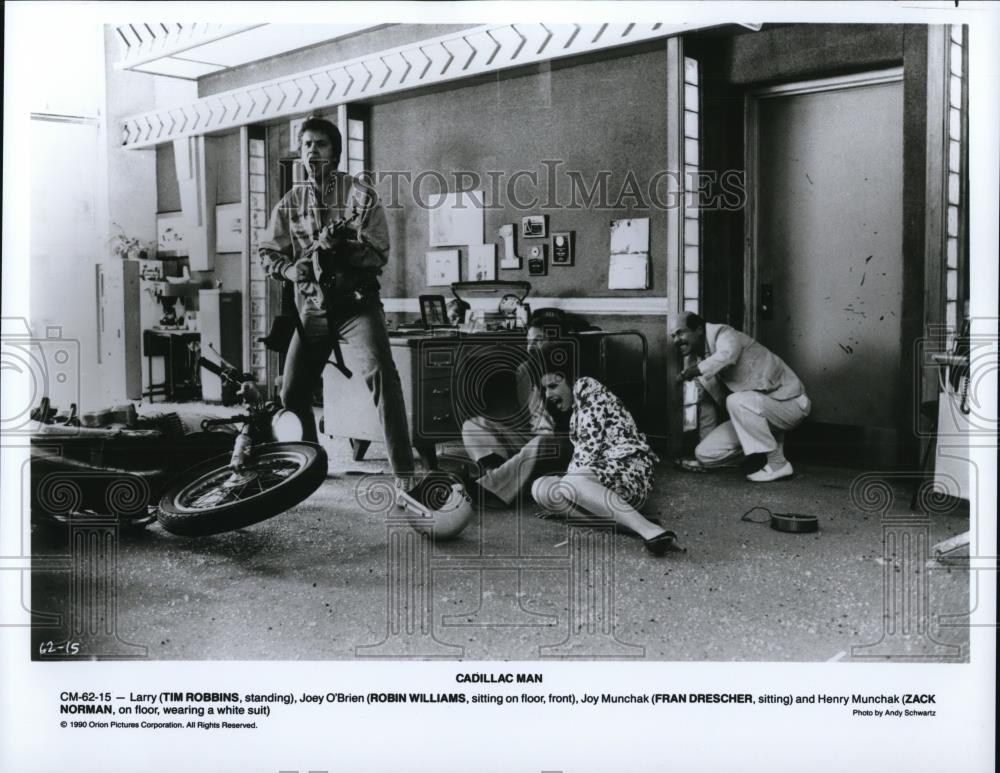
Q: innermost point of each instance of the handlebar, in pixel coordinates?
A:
(225, 372)
(206, 423)
(211, 367)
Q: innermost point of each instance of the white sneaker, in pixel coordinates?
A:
(768, 473)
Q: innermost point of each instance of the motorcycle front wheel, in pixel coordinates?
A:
(210, 498)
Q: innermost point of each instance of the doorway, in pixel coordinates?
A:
(824, 254)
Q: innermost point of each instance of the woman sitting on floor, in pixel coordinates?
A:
(611, 471)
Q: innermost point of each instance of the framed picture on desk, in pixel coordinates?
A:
(433, 311)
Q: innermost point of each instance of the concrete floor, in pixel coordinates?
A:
(318, 582)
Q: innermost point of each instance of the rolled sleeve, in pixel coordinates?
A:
(275, 248)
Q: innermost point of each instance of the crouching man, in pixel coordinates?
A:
(762, 395)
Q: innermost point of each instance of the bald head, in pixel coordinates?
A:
(687, 331)
(680, 320)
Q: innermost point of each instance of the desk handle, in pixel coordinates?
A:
(441, 418)
(438, 391)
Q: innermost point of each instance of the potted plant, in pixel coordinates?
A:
(128, 247)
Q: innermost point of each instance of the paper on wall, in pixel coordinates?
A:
(630, 236)
(482, 263)
(442, 267)
(629, 263)
(456, 218)
(629, 271)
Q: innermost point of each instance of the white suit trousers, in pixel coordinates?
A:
(756, 425)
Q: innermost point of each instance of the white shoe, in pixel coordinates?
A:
(768, 473)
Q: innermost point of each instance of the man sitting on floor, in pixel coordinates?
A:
(762, 395)
(511, 455)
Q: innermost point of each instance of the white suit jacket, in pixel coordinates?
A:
(742, 364)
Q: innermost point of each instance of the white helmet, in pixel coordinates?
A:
(439, 505)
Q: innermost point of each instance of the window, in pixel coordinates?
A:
(956, 280)
(355, 146)
(692, 222)
(257, 308)
(691, 290)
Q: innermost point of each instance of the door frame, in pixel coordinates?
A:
(750, 123)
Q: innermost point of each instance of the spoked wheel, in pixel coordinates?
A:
(210, 498)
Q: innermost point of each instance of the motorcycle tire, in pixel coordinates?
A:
(210, 499)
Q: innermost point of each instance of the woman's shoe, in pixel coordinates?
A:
(481, 497)
(662, 544)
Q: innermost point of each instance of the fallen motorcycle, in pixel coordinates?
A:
(266, 473)
(116, 471)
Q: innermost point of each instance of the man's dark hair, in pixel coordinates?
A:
(555, 356)
(694, 321)
(323, 126)
(553, 326)
(563, 323)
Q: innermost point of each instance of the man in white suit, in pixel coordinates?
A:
(762, 395)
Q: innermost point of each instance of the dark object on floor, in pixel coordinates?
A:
(790, 523)
(795, 523)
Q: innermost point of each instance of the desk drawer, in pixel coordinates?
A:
(436, 415)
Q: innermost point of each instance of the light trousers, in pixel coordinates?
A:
(370, 358)
(528, 456)
(756, 425)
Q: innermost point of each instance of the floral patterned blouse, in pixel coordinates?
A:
(606, 439)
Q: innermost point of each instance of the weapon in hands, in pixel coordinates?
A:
(325, 250)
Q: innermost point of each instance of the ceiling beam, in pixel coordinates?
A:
(147, 42)
(451, 57)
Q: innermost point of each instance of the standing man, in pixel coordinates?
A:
(329, 238)
(763, 396)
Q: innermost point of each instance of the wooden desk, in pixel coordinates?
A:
(447, 380)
